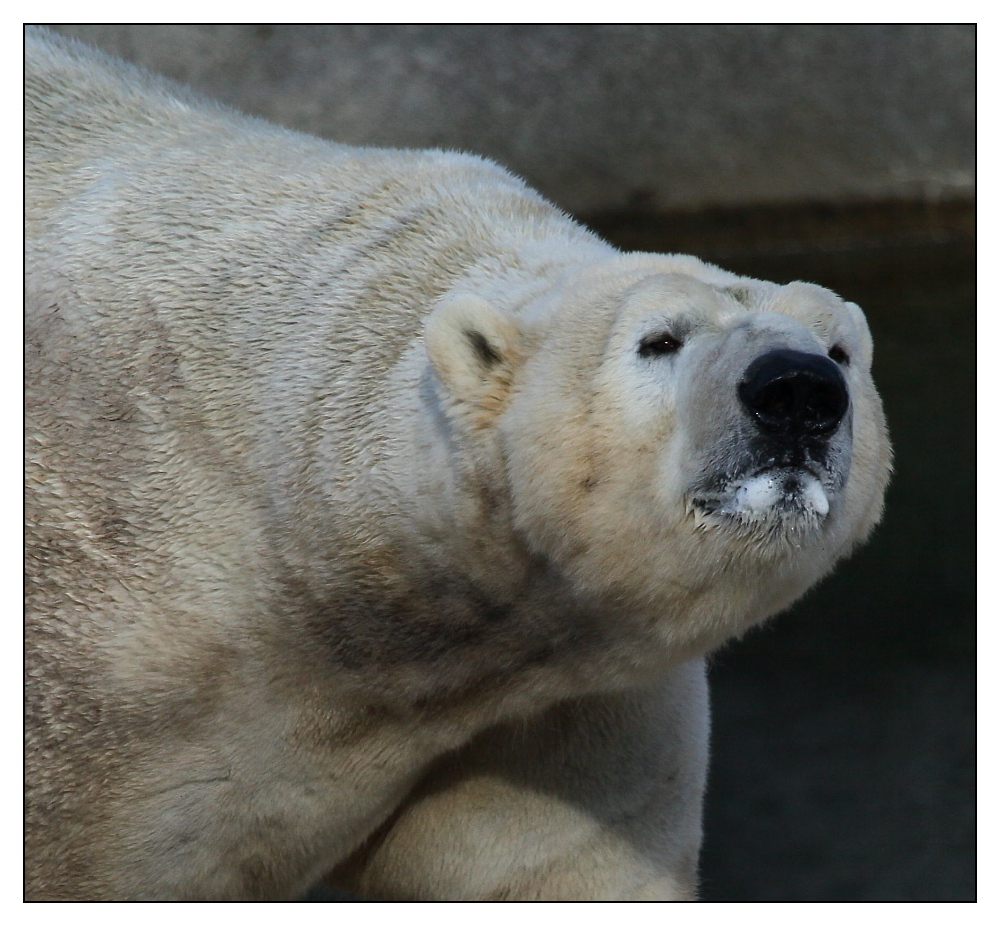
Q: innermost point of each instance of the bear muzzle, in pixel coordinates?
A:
(787, 453)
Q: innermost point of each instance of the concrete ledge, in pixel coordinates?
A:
(614, 118)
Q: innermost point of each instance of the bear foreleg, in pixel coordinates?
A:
(598, 799)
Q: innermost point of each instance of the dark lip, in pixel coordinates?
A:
(707, 504)
(792, 467)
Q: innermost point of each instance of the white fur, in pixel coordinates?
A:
(360, 534)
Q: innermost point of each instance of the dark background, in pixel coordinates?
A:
(843, 748)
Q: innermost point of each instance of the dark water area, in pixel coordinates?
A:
(843, 744)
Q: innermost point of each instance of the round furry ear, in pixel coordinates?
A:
(474, 350)
(863, 329)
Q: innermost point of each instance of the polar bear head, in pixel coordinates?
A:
(675, 440)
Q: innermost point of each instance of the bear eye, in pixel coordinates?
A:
(660, 343)
(838, 355)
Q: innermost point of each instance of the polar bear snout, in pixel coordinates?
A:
(780, 460)
(794, 394)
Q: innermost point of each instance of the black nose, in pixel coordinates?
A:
(794, 393)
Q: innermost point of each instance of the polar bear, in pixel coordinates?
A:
(379, 515)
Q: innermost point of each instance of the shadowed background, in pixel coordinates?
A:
(844, 731)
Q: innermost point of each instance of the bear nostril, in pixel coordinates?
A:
(794, 392)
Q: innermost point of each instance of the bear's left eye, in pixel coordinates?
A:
(660, 343)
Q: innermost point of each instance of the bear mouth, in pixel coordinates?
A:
(774, 496)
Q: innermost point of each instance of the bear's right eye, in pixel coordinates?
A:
(660, 343)
(838, 355)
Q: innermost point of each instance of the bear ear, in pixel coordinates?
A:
(474, 350)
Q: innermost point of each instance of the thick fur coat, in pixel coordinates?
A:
(379, 514)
